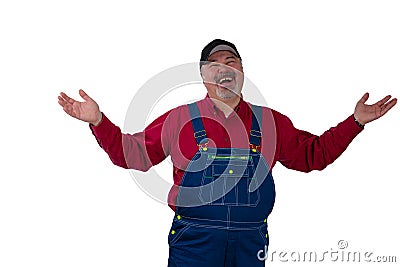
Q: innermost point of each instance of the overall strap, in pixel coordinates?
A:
(198, 127)
(256, 126)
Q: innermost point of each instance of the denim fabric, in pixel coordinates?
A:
(228, 227)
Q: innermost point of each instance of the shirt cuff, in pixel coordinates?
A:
(102, 128)
(351, 127)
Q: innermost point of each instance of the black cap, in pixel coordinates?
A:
(215, 46)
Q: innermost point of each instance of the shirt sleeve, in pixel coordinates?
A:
(303, 151)
(137, 151)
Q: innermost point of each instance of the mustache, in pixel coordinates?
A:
(220, 76)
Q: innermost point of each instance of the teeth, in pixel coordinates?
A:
(227, 79)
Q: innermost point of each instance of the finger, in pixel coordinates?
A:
(61, 98)
(65, 105)
(388, 106)
(364, 98)
(66, 109)
(383, 100)
(84, 95)
(67, 98)
(69, 110)
(62, 101)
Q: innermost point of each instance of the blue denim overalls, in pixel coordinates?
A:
(224, 199)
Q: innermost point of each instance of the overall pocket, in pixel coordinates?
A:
(176, 232)
(226, 181)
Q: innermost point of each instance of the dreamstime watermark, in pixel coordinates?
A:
(340, 254)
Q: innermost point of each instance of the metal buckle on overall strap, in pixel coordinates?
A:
(204, 142)
(254, 148)
(203, 146)
(256, 134)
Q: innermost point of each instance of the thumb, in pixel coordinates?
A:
(364, 98)
(84, 95)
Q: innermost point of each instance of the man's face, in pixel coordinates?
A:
(223, 76)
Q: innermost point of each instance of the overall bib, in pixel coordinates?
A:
(224, 199)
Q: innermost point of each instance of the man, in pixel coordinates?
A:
(223, 150)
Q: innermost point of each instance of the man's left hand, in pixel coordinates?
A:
(366, 113)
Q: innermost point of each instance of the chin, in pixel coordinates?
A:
(225, 93)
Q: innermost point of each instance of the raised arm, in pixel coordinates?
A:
(303, 151)
(137, 151)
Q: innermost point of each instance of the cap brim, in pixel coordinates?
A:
(222, 47)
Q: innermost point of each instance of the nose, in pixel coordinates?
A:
(222, 68)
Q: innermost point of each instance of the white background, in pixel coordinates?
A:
(63, 203)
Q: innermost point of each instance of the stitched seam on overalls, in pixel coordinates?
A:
(179, 234)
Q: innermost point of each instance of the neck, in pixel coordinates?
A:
(226, 105)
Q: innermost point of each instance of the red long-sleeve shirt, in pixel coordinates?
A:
(172, 134)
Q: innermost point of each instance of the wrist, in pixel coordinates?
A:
(99, 119)
(358, 122)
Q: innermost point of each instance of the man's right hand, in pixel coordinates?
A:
(87, 111)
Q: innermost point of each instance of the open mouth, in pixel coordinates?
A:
(225, 79)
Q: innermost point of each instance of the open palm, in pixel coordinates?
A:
(366, 113)
(87, 111)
